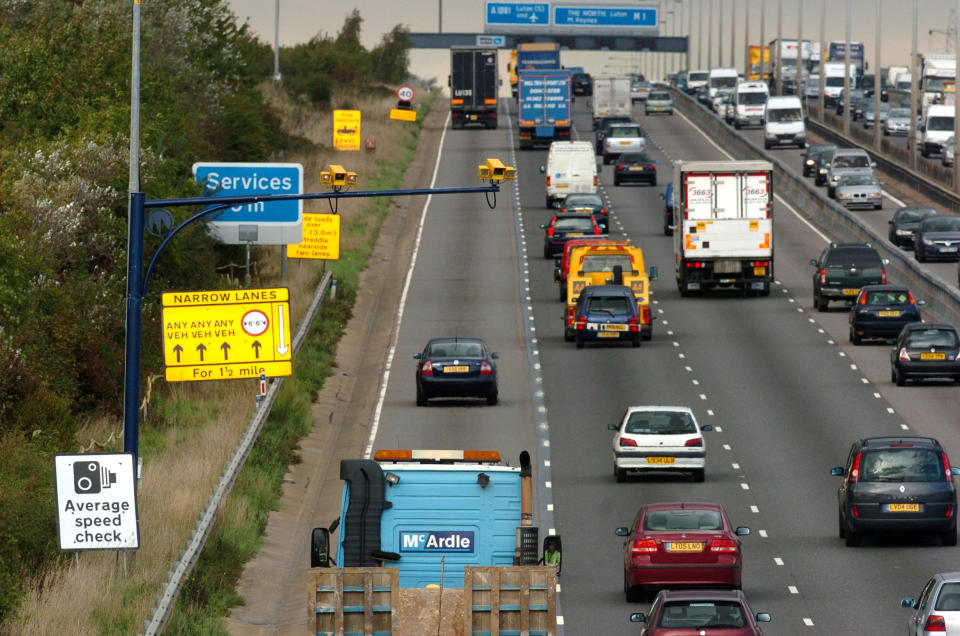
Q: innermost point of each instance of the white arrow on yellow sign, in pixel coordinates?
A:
(230, 334)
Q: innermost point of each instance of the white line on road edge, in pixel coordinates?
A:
(368, 451)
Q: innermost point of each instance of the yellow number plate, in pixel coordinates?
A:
(625, 143)
(608, 334)
(613, 327)
(933, 356)
(574, 233)
(636, 168)
(851, 292)
(759, 271)
(661, 460)
(473, 118)
(684, 546)
(903, 507)
(456, 369)
(889, 314)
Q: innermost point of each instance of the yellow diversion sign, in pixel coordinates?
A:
(229, 334)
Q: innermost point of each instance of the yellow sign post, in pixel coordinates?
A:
(403, 114)
(346, 129)
(321, 238)
(230, 334)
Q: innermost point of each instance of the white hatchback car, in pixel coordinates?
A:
(659, 438)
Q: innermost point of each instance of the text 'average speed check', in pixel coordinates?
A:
(231, 334)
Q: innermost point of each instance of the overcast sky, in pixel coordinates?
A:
(301, 20)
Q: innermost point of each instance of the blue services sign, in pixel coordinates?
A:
(447, 541)
(262, 223)
(518, 13)
(605, 16)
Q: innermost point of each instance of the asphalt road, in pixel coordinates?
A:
(780, 382)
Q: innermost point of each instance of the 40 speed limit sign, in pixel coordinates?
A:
(404, 94)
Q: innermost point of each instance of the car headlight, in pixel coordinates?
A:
(927, 241)
(904, 233)
(809, 162)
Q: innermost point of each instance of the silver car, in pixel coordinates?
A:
(947, 156)
(720, 100)
(937, 609)
(897, 122)
(869, 116)
(857, 191)
(658, 102)
(847, 162)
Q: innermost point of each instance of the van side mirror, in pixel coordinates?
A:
(654, 273)
(449, 81)
(599, 168)
(542, 169)
(320, 548)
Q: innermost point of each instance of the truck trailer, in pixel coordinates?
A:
(611, 96)
(545, 111)
(473, 86)
(723, 226)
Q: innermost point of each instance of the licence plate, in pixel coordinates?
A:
(456, 369)
(574, 234)
(637, 168)
(851, 292)
(902, 507)
(933, 356)
(759, 271)
(684, 546)
(608, 334)
(606, 327)
(889, 314)
(473, 117)
(948, 249)
(624, 143)
(661, 460)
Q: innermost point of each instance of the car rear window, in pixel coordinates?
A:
(932, 338)
(659, 97)
(576, 224)
(625, 131)
(853, 257)
(851, 161)
(897, 297)
(456, 350)
(634, 157)
(590, 200)
(609, 304)
(605, 262)
(702, 614)
(660, 423)
(682, 520)
(948, 599)
(901, 464)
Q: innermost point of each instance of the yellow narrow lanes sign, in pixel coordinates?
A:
(346, 129)
(321, 238)
(403, 114)
(229, 334)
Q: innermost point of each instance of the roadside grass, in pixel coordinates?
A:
(189, 429)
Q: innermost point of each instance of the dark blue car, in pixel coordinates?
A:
(606, 313)
(667, 197)
(881, 311)
(456, 367)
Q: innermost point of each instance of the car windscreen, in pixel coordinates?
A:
(910, 215)
(660, 423)
(901, 465)
(694, 615)
(574, 225)
(606, 263)
(900, 113)
(682, 520)
(922, 338)
(625, 131)
(613, 305)
(941, 224)
(834, 81)
(851, 161)
(723, 82)
(635, 157)
(752, 98)
(859, 180)
(850, 258)
(888, 297)
(940, 123)
(784, 115)
(697, 77)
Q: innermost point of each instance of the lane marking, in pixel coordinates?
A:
(793, 589)
(808, 622)
(778, 560)
(762, 533)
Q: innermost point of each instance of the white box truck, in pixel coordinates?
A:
(611, 96)
(723, 232)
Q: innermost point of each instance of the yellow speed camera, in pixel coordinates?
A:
(337, 177)
(494, 170)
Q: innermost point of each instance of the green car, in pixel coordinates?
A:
(658, 102)
(842, 269)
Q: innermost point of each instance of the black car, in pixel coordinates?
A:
(456, 367)
(563, 227)
(902, 227)
(667, 197)
(635, 166)
(810, 157)
(938, 237)
(606, 313)
(925, 350)
(602, 128)
(897, 484)
(881, 311)
(588, 202)
(582, 84)
(822, 166)
(842, 270)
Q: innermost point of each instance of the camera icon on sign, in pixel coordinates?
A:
(90, 477)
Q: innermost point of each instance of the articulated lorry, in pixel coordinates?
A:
(473, 86)
(434, 541)
(544, 105)
(723, 226)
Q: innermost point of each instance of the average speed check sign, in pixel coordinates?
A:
(404, 94)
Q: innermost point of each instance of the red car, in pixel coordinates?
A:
(684, 612)
(680, 544)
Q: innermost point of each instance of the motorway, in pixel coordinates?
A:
(781, 384)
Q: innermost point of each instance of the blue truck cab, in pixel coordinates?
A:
(412, 510)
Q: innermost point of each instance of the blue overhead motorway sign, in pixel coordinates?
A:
(518, 13)
(262, 223)
(605, 16)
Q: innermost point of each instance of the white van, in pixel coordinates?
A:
(833, 81)
(571, 167)
(721, 77)
(783, 123)
(936, 128)
(748, 100)
(696, 79)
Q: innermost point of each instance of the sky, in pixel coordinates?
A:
(300, 20)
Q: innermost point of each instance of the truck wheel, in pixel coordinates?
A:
(653, 182)
(899, 378)
(605, 158)
(563, 292)
(634, 594)
(635, 343)
(549, 202)
(546, 251)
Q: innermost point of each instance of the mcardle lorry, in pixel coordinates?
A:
(473, 86)
(723, 226)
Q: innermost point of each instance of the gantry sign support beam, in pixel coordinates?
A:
(138, 279)
(672, 44)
